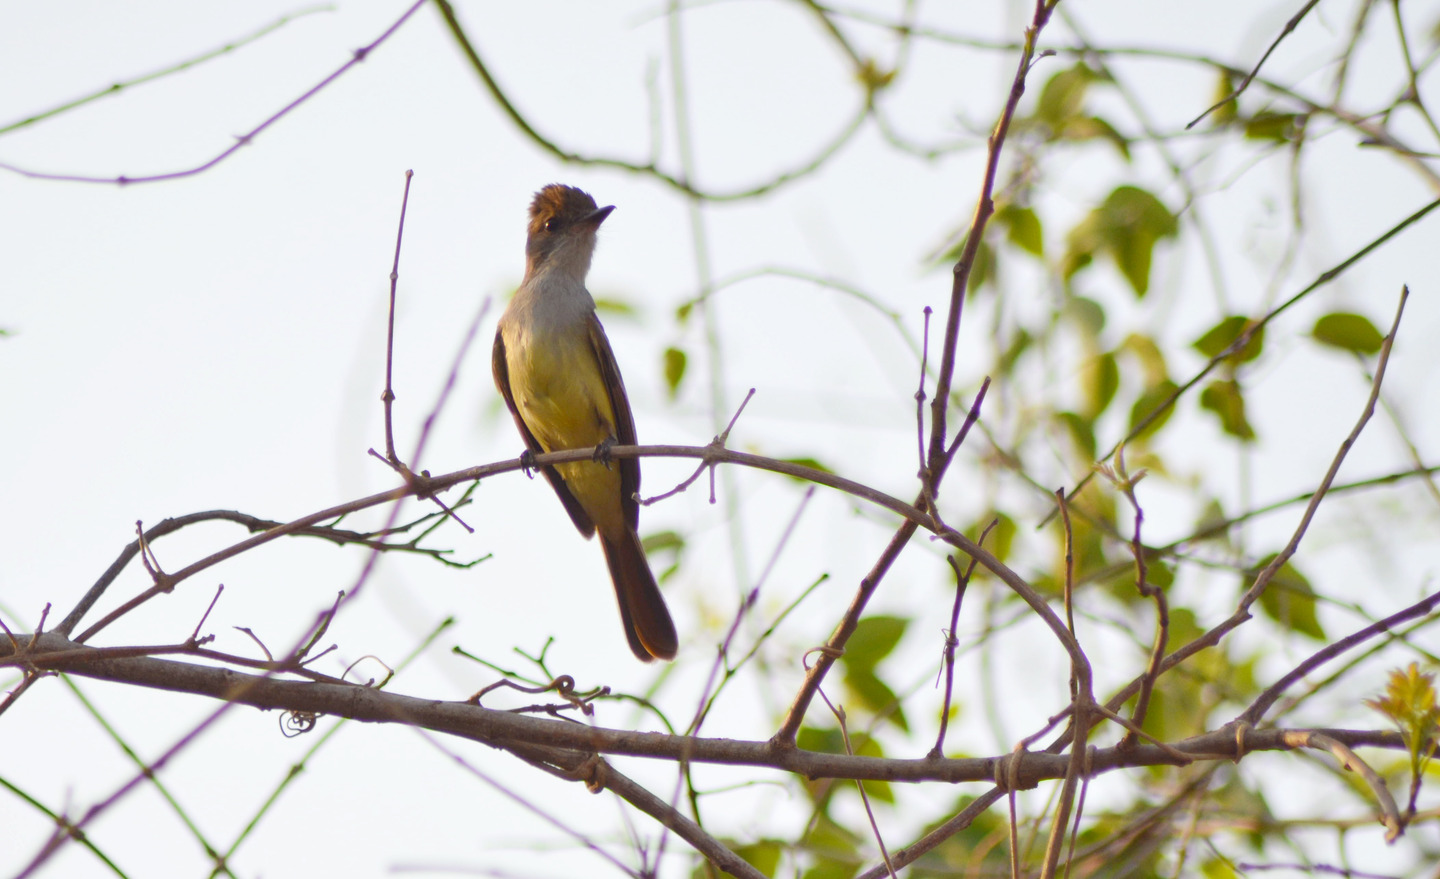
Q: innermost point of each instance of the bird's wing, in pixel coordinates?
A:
(624, 420)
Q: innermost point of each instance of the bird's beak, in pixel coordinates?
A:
(597, 216)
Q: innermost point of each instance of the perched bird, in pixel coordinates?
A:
(555, 369)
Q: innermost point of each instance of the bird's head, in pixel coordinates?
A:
(561, 234)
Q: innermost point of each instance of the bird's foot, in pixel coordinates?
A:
(602, 452)
(527, 463)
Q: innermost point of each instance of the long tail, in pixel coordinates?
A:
(648, 626)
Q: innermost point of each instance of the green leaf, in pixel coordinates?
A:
(952, 253)
(1409, 702)
(674, 370)
(1289, 600)
(1088, 313)
(866, 746)
(1350, 332)
(1119, 581)
(834, 851)
(1079, 251)
(1002, 536)
(832, 845)
(1184, 627)
(1211, 518)
(661, 541)
(1082, 432)
(1221, 336)
(1274, 126)
(1018, 344)
(821, 741)
(873, 640)
(1127, 226)
(832, 868)
(1022, 229)
(1218, 868)
(763, 855)
(682, 314)
(812, 463)
(879, 790)
(983, 269)
(876, 696)
(1226, 112)
(1102, 380)
(1223, 397)
(615, 307)
(1133, 221)
(1149, 401)
(1152, 360)
(1064, 95)
(1177, 709)
(827, 836)
(971, 850)
(1094, 128)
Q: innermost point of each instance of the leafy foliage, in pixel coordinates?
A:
(1348, 332)
(1410, 703)
(1126, 227)
(874, 639)
(1290, 600)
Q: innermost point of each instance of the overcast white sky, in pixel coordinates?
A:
(217, 342)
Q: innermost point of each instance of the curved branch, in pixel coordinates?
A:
(805, 169)
(503, 729)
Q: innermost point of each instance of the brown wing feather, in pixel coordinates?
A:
(501, 369)
(624, 420)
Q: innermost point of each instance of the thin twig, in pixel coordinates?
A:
(1125, 482)
(920, 404)
(746, 606)
(835, 646)
(1242, 613)
(1255, 327)
(984, 207)
(718, 443)
(255, 524)
(241, 141)
(1265, 700)
(565, 827)
(1250, 77)
(1069, 549)
(388, 397)
(420, 484)
(710, 454)
(195, 635)
(839, 712)
(1350, 760)
(962, 581)
(682, 182)
(118, 87)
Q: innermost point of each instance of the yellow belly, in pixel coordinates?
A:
(558, 387)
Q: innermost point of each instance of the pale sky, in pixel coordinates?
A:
(216, 342)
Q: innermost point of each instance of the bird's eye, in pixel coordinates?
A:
(552, 224)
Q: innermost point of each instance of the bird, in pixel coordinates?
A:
(555, 368)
